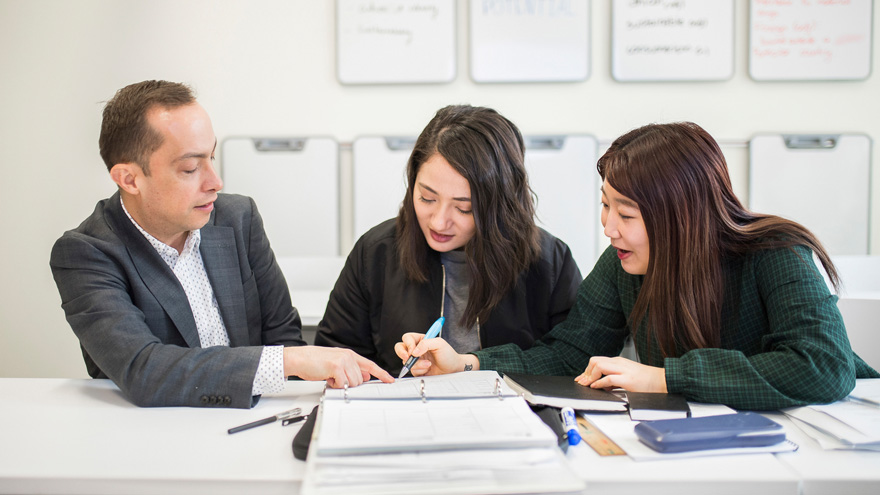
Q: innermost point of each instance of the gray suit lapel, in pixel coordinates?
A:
(220, 255)
(155, 273)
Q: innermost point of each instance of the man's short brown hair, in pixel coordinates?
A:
(126, 136)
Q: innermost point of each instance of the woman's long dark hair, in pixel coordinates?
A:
(677, 175)
(488, 151)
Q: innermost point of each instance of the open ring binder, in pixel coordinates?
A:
(465, 385)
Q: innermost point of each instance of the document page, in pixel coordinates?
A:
(363, 426)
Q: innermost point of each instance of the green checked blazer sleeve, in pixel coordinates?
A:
(783, 342)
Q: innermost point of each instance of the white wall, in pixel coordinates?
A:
(266, 67)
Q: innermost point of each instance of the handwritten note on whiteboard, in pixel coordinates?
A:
(672, 40)
(529, 40)
(810, 39)
(395, 41)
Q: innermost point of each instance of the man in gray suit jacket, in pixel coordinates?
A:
(172, 288)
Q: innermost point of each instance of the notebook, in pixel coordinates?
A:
(562, 391)
(649, 406)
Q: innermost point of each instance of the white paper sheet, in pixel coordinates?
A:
(369, 426)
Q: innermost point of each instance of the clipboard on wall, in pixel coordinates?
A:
(562, 173)
(379, 179)
(295, 183)
(821, 181)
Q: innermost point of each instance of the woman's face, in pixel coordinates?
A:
(442, 200)
(625, 227)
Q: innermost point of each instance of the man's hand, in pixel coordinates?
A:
(436, 356)
(337, 366)
(608, 373)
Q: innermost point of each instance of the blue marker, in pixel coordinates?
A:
(571, 427)
(432, 332)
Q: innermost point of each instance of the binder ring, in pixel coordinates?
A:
(422, 390)
(498, 389)
(345, 391)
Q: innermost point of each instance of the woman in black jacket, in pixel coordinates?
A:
(464, 246)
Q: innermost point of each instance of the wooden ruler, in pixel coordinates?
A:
(597, 440)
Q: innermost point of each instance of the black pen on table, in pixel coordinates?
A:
(291, 414)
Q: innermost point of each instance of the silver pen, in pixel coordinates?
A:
(285, 415)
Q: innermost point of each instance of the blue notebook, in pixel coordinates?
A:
(746, 429)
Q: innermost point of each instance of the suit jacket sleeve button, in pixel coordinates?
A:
(204, 399)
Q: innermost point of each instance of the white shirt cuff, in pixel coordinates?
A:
(270, 372)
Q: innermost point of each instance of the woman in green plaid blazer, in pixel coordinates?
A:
(724, 305)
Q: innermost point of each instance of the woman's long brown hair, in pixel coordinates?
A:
(677, 175)
(488, 151)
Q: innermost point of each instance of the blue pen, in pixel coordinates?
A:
(432, 332)
(571, 426)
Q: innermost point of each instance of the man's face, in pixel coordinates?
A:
(178, 195)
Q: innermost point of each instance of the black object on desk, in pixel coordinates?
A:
(303, 437)
(744, 429)
(550, 416)
(562, 391)
(650, 406)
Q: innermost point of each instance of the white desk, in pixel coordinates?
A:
(82, 436)
(836, 472)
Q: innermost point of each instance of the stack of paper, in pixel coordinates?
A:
(853, 423)
(460, 433)
(478, 471)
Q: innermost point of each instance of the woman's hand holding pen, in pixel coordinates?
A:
(608, 373)
(436, 356)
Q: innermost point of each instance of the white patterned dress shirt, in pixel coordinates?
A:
(190, 271)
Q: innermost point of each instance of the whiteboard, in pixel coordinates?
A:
(295, 183)
(529, 41)
(672, 40)
(562, 173)
(820, 181)
(810, 40)
(395, 41)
